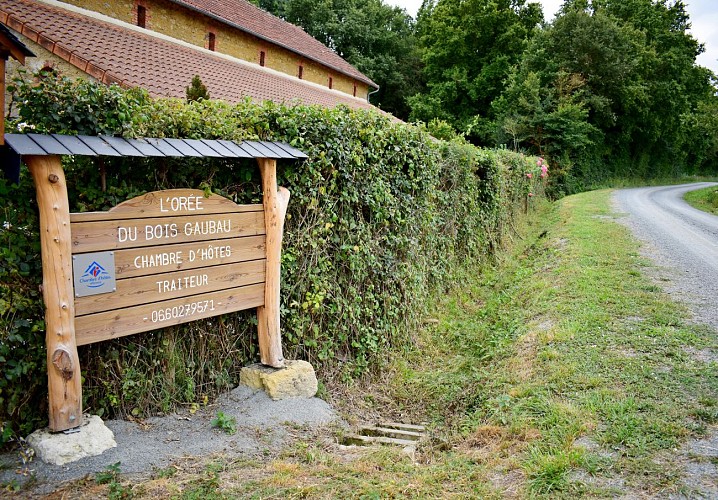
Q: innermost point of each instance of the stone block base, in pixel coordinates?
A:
(296, 379)
(93, 438)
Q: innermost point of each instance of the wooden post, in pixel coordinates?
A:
(275, 201)
(63, 366)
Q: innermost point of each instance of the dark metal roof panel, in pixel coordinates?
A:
(122, 146)
(40, 144)
(23, 145)
(264, 152)
(291, 150)
(75, 145)
(181, 146)
(164, 147)
(219, 148)
(247, 147)
(202, 148)
(277, 150)
(235, 149)
(98, 145)
(145, 147)
(49, 144)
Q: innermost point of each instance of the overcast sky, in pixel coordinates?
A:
(703, 14)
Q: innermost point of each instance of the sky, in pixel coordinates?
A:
(703, 15)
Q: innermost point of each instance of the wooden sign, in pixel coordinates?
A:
(173, 252)
(161, 259)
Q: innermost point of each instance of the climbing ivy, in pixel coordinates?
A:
(381, 216)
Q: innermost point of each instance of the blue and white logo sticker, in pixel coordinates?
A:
(95, 276)
(94, 273)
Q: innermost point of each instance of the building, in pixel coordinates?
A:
(237, 49)
(10, 46)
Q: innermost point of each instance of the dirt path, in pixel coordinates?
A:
(263, 427)
(681, 240)
(683, 243)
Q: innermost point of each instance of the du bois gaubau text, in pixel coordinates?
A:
(168, 231)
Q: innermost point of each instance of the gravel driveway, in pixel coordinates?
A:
(263, 428)
(681, 240)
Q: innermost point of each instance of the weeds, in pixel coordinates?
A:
(111, 477)
(225, 422)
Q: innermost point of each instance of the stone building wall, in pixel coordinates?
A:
(192, 27)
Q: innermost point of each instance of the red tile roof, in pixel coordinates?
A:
(119, 53)
(251, 19)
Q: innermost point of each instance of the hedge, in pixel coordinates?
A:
(382, 216)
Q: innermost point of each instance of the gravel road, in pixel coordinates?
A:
(680, 239)
(683, 243)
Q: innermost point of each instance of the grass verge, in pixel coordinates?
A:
(561, 371)
(704, 199)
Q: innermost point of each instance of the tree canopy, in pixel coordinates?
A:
(468, 49)
(377, 39)
(609, 88)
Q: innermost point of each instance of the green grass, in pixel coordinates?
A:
(704, 199)
(561, 371)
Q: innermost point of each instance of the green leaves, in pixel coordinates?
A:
(611, 89)
(468, 50)
(381, 216)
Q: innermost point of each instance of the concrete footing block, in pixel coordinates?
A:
(296, 379)
(57, 448)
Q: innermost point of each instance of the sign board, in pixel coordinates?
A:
(175, 255)
(167, 257)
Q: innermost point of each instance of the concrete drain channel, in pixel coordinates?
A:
(391, 433)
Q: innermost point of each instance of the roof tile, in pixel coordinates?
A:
(142, 59)
(248, 17)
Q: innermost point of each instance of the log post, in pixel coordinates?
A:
(63, 366)
(275, 201)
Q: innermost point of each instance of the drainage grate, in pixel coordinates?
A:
(391, 433)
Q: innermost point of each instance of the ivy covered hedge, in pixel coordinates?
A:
(382, 215)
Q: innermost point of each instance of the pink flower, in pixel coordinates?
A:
(531, 195)
(529, 175)
(538, 162)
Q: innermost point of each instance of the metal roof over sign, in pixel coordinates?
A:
(55, 144)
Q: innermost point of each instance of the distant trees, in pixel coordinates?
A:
(609, 88)
(468, 50)
(376, 38)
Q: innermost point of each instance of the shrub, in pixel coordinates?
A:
(382, 215)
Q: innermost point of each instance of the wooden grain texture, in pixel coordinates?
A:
(115, 235)
(122, 322)
(158, 287)
(63, 366)
(147, 260)
(275, 201)
(168, 203)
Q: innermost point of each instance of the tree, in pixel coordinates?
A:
(616, 82)
(469, 47)
(197, 90)
(377, 39)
